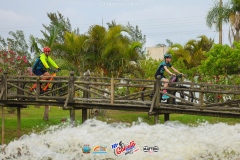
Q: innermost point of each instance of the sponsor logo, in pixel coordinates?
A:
(99, 150)
(150, 149)
(124, 149)
(86, 149)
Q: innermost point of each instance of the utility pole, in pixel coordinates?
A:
(220, 21)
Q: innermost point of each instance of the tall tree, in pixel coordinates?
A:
(109, 50)
(233, 12)
(59, 24)
(170, 43)
(192, 53)
(216, 16)
(221, 60)
(134, 33)
(52, 33)
(73, 52)
(17, 43)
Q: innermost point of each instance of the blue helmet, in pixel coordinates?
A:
(167, 55)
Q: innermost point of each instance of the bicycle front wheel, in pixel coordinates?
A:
(186, 95)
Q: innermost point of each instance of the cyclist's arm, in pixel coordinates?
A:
(166, 69)
(44, 62)
(52, 62)
(175, 70)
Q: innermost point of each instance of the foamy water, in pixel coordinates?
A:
(174, 140)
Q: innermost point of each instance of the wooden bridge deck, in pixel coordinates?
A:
(88, 92)
(164, 109)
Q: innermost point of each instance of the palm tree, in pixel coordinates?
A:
(94, 45)
(73, 52)
(216, 16)
(233, 12)
(109, 50)
(192, 53)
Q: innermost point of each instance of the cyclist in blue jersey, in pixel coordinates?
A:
(164, 67)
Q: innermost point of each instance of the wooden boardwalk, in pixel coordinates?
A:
(86, 92)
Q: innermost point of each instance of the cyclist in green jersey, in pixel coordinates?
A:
(164, 67)
(42, 64)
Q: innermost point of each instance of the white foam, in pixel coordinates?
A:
(174, 140)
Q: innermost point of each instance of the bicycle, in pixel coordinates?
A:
(49, 86)
(186, 95)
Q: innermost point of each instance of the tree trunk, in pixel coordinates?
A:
(220, 25)
(46, 111)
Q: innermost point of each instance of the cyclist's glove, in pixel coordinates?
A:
(50, 70)
(58, 69)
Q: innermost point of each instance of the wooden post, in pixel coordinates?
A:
(19, 121)
(20, 84)
(86, 94)
(158, 87)
(3, 128)
(157, 100)
(201, 96)
(72, 94)
(4, 83)
(72, 115)
(46, 113)
(171, 100)
(38, 88)
(166, 117)
(84, 115)
(112, 90)
(71, 86)
(156, 119)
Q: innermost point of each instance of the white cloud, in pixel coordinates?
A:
(11, 19)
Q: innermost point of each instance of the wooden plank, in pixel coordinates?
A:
(3, 126)
(18, 122)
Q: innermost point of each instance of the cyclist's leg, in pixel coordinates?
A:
(45, 75)
(37, 73)
(165, 80)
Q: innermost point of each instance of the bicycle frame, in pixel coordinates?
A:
(174, 79)
(182, 93)
(47, 85)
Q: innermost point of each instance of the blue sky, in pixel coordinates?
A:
(176, 20)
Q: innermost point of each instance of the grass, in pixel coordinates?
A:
(32, 119)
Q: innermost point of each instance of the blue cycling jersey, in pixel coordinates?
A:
(160, 70)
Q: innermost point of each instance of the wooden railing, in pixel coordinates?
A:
(104, 90)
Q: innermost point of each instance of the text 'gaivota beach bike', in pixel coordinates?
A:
(46, 88)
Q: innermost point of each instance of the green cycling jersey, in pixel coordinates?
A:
(44, 62)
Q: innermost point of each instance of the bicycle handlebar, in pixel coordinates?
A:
(55, 71)
(181, 75)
